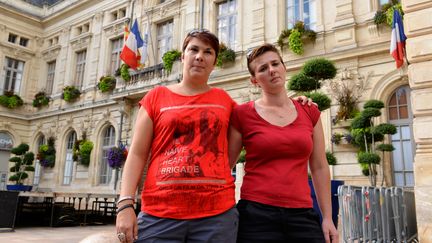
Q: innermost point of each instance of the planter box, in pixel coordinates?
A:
(19, 188)
(334, 198)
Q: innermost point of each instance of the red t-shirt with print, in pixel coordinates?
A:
(189, 175)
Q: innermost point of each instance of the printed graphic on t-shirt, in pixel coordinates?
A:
(192, 157)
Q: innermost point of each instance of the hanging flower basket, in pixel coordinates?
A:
(47, 154)
(41, 99)
(117, 156)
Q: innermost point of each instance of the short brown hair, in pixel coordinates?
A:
(205, 36)
(260, 50)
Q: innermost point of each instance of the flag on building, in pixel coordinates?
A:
(133, 45)
(143, 50)
(397, 43)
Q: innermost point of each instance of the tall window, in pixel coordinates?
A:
(68, 169)
(80, 68)
(227, 17)
(117, 45)
(164, 38)
(301, 10)
(37, 172)
(400, 115)
(50, 77)
(14, 71)
(107, 143)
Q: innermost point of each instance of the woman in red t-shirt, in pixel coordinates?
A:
(181, 133)
(281, 138)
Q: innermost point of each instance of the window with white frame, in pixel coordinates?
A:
(13, 75)
(37, 172)
(400, 115)
(80, 68)
(164, 38)
(227, 19)
(108, 141)
(116, 47)
(301, 10)
(68, 167)
(50, 77)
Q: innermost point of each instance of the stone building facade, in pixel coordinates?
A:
(45, 47)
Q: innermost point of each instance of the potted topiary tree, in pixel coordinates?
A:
(310, 79)
(23, 163)
(366, 134)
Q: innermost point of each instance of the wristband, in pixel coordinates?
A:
(124, 198)
(124, 207)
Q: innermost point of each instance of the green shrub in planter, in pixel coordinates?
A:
(169, 57)
(225, 55)
(82, 150)
(10, 100)
(23, 162)
(106, 83)
(124, 73)
(41, 99)
(295, 37)
(70, 93)
(331, 159)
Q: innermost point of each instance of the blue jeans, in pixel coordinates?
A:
(215, 229)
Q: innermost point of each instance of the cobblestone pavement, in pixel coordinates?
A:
(51, 235)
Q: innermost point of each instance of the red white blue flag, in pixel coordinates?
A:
(133, 47)
(397, 43)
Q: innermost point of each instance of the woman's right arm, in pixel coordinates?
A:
(234, 145)
(132, 172)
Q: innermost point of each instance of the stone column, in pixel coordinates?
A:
(418, 28)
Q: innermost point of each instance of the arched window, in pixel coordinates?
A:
(67, 174)
(108, 141)
(37, 173)
(399, 113)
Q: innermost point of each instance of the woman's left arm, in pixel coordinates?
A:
(321, 181)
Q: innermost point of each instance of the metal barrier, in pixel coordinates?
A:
(371, 214)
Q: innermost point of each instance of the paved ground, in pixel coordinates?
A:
(52, 235)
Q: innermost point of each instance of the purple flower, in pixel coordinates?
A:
(117, 156)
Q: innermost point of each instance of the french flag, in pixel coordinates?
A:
(397, 43)
(133, 47)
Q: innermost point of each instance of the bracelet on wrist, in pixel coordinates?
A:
(124, 207)
(124, 198)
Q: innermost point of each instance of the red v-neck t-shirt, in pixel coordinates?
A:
(276, 156)
(189, 175)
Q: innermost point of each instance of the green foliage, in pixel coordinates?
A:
(322, 100)
(371, 112)
(336, 138)
(47, 153)
(385, 147)
(11, 100)
(124, 73)
(295, 37)
(360, 122)
(106, 83)
(320, 69)
(23, 161)
(331, 159)
(380, 17)
(302, 82)
(390, 11)
(385, 128)
(70, 93)
(295, 42)
(169, 57)
(378, 104)
(242, 157)
(41, 99)
(365, 169)
(225, 55)
(368, 158)
(82, 150)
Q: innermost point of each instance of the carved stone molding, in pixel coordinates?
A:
(81, 41)
(51, 53)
